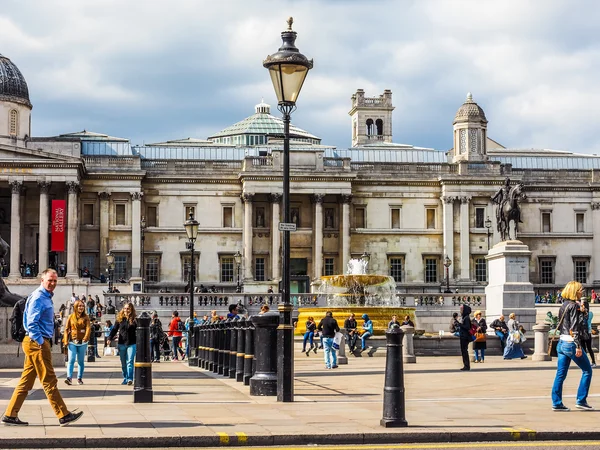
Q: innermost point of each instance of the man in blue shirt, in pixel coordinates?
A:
(38, 321)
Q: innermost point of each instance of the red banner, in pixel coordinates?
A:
(58, 225)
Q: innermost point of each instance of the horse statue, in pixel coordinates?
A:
(508, 209)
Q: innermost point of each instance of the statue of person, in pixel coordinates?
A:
(500, 198)
(7, 298)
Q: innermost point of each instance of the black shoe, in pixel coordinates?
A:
(70, 418)
(79, 381)
(12, 421)
(315, 350)
(560, 408)
(584, 406)
(68, 381)
(334, 367)
(466, 368)
(129, 383)
(523, 357)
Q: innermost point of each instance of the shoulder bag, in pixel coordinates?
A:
(557, 329)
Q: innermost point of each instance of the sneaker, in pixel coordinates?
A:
(523, 357)
(70, 418)
(124, 382)
(129, 383)
(465, 368)
(12, 421)
(584, 406)
(327, 367)
(560, 408)
(79, 381)
(335, 366)
(307, 353)
(594, 365)
(68, 381)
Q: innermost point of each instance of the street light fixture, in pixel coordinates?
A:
(142, 264)
(110, 263)
(447, 264)
(191, 229)
(238, 262)
(488, 225)
(288, 69)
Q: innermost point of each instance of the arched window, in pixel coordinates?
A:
(379, 125)
(370, 130)
(13, 122)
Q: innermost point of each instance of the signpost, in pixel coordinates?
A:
(287, 226)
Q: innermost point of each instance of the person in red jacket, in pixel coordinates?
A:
(176, 328)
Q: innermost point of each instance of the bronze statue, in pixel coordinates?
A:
(7, 298)
(507, 198)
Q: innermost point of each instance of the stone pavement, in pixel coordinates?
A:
(497, 401)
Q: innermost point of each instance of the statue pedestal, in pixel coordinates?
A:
(509, 289)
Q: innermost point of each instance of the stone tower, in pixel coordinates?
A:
(470, 132)
(371, 118)
(15, 107)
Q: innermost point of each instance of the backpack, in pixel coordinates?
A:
(473, 329)
(17, 329)
(180, 326)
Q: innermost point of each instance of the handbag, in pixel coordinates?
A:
(480, 337)
(554, 335)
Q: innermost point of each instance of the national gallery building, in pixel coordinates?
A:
(407, 207)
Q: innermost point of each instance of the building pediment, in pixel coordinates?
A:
(19, 155)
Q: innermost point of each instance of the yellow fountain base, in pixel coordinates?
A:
(380, 316)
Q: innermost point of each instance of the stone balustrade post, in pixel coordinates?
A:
(540, 352)
(408, 344)
(341, 356)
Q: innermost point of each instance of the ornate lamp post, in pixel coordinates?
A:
(365, 258)
(488, 225)
(110, 267)
(191, 229)
(288, 69)
(447, 264)
(238, 262)
(142, 264)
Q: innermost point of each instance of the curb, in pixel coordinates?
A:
(239, 439)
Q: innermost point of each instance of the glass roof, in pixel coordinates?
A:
(389, 155)
(550, 162)
(105, 148)
(261, 123)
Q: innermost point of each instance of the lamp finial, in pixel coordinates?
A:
(290, 21)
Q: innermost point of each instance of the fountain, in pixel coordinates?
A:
(359, 293)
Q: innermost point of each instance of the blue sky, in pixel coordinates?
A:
(151, 70)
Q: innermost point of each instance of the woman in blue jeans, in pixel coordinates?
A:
(76, 337)
(126, 325)
(573, 331)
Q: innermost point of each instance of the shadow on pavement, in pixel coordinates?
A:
(151, 424)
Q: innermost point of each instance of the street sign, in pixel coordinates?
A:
(287, 226)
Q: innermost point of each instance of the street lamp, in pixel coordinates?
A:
(238, 262)
(110, 265)
(488, 225)
(288, 69)
(191, 229)
(447, 264)
(142, 265)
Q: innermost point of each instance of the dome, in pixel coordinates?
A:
(13, 87)
(470, 112)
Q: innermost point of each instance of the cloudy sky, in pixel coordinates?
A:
(155, 70)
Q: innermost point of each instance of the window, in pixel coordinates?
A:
(547, 270)
(259, 216)
(359, 217)
(259, 269)
(431, 270)
(151, 216)
(546, 222)
(151, 270)
(480, 269)
(190, 210)
(479, 217)
(430, 218)
(227, 265)
(581, 270)
(227, 216)
(88, 214)
(88, 261)
(121, 266)
(329, 266)
(395, 217)
(120, 214)
(185, 267)
(13, 122)
(396, 266)
(579, 217)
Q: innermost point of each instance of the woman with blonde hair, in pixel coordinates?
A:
(513, 347)
(75, 338)
(572, 326)
(126, 326)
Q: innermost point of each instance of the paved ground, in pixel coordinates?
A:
(497, 401)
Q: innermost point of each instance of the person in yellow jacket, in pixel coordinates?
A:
(75, 338)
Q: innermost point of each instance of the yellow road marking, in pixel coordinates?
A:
(480, 445)
(223, 438)
(242, 438)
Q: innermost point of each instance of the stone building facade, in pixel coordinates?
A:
(407, 207)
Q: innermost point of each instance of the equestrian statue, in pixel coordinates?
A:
(507, 200)
(7, 298)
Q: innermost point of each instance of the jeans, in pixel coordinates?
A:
(76, 351)
(477, 356)
(566, 354)
(329, 352)
(308, 336)
(127, 355)
(155, 349)
(502, 336)
(352, 340)
(176, 347)
(363, 339)
(90, 312)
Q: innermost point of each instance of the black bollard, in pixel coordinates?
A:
(264, 380)
(233, 348)
(142, 389)
(201, 345)
(239, 357)
(221, 347)
(211, 347)
(205, 345)
(249, 353)
(226, 341)
(91, 353)
(217, 346)
(393, 389)
(195, 348)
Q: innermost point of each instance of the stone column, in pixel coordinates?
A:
(464, 238)
(15, 228)
(73, 188)
(44, 226)
(540, 350)
(408, 344)
(596, 242)
(104, 225)
(247, 199)
(346, 202)
(448, 206)
(136, 233)
(276, 236)
(317, 199)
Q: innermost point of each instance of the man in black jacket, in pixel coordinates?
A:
(501, 330)
(350, 326)
(465, 335)
(328, 326)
